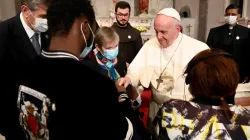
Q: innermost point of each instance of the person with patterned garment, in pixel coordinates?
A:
(55, 105)
(130, 38)
(106, 62)
(213, 77)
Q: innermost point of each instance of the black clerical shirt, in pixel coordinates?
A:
(229, 40)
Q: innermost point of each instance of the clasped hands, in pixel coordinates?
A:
(123, 86)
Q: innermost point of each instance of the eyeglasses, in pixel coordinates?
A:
(122, 15)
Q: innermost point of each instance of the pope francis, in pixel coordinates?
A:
(161, 61)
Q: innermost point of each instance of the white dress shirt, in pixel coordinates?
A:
(28, 30)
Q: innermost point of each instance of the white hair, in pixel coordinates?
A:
(176, 22)
(32, 4)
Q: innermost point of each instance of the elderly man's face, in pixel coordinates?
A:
(166, 29)
(39, 12)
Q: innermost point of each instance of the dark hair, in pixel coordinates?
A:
(122, 5)
(233, 6)
(32, 4)
(215, 76)
(61, 15)
(248, 21)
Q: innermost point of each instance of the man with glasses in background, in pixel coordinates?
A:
(130, 38)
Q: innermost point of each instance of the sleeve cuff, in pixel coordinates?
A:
(137, 102)
(123, 95)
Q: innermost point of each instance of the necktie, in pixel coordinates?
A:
(35, 43)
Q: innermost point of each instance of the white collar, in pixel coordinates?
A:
(28, 30)
(59, 55)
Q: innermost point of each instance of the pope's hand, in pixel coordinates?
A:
(124, 81)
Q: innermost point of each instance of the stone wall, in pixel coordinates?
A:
(7, 9)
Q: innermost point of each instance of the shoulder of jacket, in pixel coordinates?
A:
(8, 26)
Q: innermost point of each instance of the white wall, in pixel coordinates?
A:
(194, 7)
(7, 9)
(248, 9)
(102, 7)
(215, 14)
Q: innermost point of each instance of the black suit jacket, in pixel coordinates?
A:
(241, 43)
(15, 45)
(70, 96)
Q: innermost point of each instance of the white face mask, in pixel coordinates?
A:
(248, 26)
(41, 25)
(231, 20)
(87, 48)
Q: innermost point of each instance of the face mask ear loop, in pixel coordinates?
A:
(29, 19)
(91, 31)
(84, 36)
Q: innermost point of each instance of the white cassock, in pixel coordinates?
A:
(150, 63)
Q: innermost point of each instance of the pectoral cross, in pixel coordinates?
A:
(159, 80)
(189, 29)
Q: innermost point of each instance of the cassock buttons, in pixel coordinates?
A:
(53, 107)
(237, 37)
(129, 36)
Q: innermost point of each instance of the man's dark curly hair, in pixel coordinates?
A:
(61, 15)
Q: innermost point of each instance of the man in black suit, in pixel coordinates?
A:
(46, 98)
(234, 39)
(24, 36)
